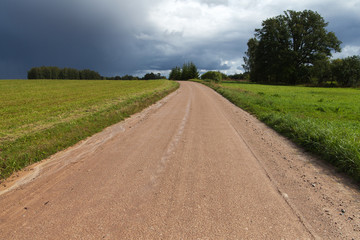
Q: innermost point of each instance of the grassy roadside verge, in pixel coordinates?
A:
(29, 148)
(323, 121)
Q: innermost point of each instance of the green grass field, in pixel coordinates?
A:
(325, 121)
(41, 117)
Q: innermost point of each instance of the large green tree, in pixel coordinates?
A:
(287, 46)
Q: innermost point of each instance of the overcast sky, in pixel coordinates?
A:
(118, 37)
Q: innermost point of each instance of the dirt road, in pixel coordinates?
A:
(192, 166)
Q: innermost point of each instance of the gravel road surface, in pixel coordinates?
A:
(192, 166)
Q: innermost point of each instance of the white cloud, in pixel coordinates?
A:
(347, 51)
(190, 18)
(183, 27)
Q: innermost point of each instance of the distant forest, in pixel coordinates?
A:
(62, 73)
(86, 74)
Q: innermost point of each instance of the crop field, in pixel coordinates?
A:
(325, 121)
(41, 117)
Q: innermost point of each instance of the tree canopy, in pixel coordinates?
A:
(175, 74)
(188, 71)
(287, 46)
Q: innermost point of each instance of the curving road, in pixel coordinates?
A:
(192, 166)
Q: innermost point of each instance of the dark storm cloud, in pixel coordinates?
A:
(118, 37)
(206, 54)
(64, 34)
(347, 28)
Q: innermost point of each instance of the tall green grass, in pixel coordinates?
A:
(325, 121)
(41, 117)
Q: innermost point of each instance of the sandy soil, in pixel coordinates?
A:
(192, 166)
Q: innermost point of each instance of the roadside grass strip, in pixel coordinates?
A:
(325, 121)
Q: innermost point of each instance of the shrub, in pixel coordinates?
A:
(212, 75)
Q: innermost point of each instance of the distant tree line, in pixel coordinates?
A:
(343, 72)
(62, 73)
(147, 76)
(296, 48)
(125, 77)
(239, 76)
(217, 76)
(86, 74)
(153, 76)
(188, 71)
